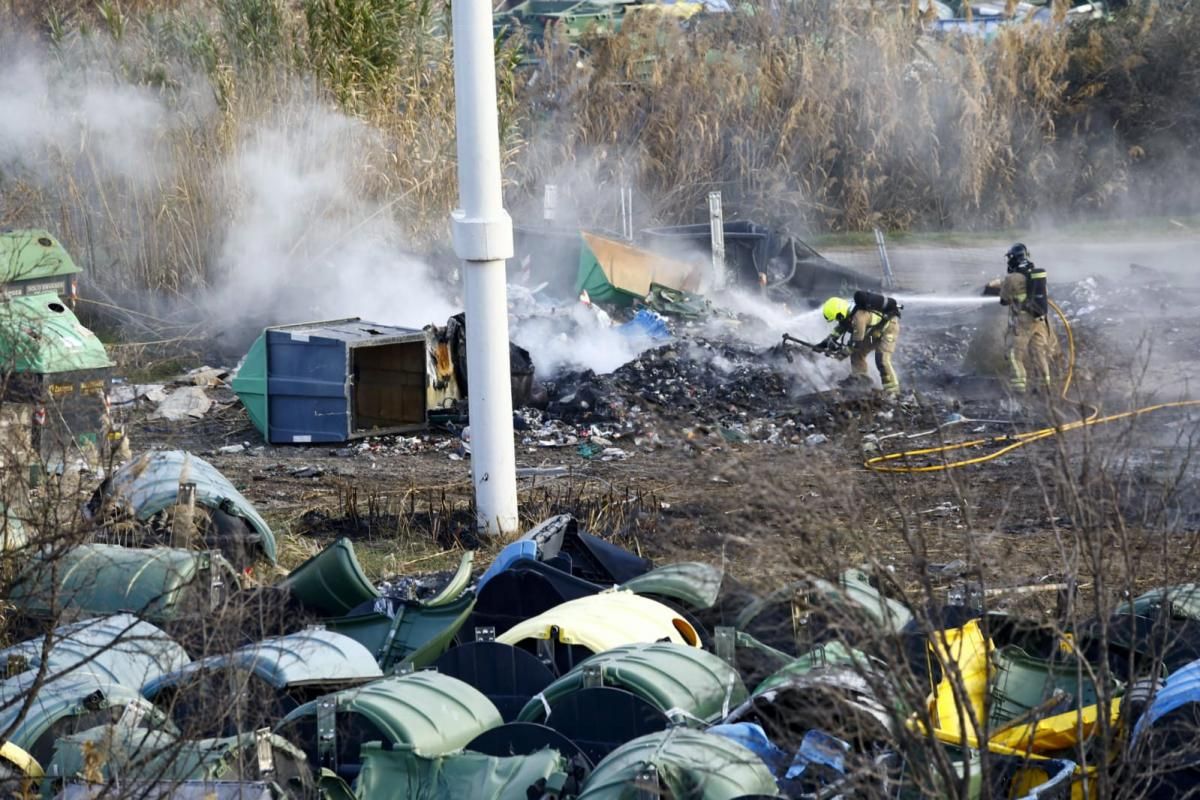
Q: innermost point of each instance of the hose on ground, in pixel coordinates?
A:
(1007, 443)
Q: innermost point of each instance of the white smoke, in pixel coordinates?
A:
(306, 240)
(59, 115)
(574, 338)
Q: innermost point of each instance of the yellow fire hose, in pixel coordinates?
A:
(1010, 442)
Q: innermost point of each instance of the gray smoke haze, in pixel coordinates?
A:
(55, 115)
(305, 236)
(295, 222)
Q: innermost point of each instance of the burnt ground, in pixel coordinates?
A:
(724, 452)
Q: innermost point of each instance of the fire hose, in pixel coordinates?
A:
(1007, 443)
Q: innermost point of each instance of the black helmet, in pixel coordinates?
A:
(1017, 255)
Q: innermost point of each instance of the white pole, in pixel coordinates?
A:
(716, 227)
(482, 233)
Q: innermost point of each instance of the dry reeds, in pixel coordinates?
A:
(807, 115)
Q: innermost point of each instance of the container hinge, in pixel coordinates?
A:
(646, 785)
(264, 752)
(385, 650)
(592, 676)
(132, 715)
(216, 583)
(545, 649)
(16, 664)
(327, 732)
(725, 644)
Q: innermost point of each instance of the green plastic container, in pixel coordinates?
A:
(331, 583)
(692, 686)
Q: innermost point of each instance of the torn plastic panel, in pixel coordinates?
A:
(679, 762)
(77, 701)
(753, 660)
(506, 675)
(693, 584)
(427, 713)
(458, 583)
(559, 543)
(569, 633)
(524, 590)
(147, 489)
(690, 686)
(402, 773)
(797, 617)
(840, 699)
(527, 738)
(171, 790)
(120, 648)
(1163, 750)
(602, 718)
(402, 632)
(1024, 686)
(331, 583)
(264, 680)
(159, 584)
(19, 771)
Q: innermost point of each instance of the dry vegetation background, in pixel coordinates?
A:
(811, 115)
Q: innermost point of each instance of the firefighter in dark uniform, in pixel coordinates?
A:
(1028, 337)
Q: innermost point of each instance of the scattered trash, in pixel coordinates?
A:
(182, 403)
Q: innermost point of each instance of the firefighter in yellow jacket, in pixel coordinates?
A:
(873, 322)
(1028, 337)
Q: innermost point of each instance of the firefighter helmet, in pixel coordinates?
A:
(835, 308)
(1017, 255)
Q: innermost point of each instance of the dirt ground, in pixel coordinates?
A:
(1113, 508)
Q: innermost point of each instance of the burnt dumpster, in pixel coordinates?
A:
(545, 255)
(338, 380)
(167, 494)
(756, 254)
(333, 381)
(56, 372)
(401, 773)
(617, 273)
(630, 691)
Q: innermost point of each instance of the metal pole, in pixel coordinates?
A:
(889, 281)
(716, 223)
(550, 202)
(628, 213)
(482, 233)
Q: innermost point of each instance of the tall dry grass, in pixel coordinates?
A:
(810, 115)
(824, 117)
(222, 71)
